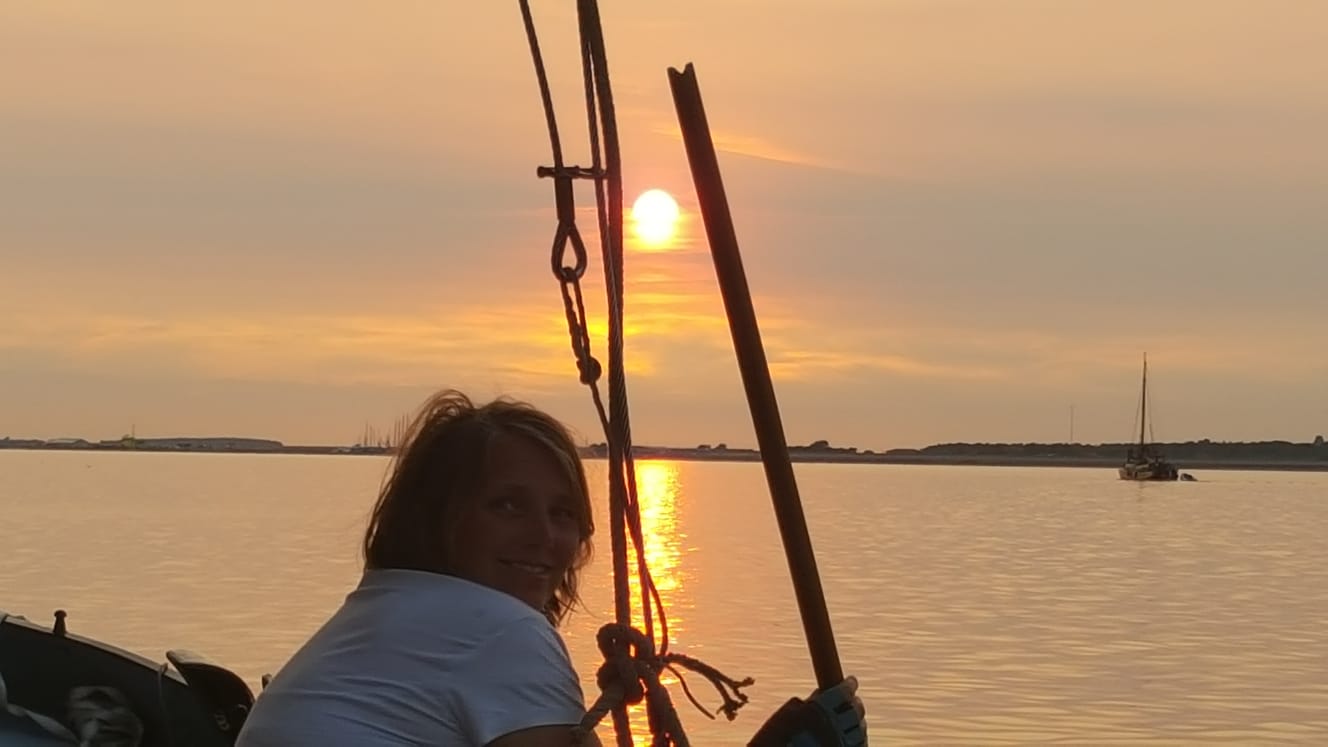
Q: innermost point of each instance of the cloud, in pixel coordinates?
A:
(352, 348)
(764, 148)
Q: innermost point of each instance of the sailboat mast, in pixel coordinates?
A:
(1143, 404)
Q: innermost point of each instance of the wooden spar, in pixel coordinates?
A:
(755, 376)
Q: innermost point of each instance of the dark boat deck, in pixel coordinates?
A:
(41, 666)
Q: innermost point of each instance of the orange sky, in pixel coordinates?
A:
(959, 218)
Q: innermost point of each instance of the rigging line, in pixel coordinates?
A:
(599, 99)
(633, 661)
(600, 115)
(625, 516)
(546, 96)
(624, 513)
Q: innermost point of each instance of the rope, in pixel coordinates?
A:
(632, 661)
(631, 673)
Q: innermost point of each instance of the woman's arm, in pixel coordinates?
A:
(832, 717)
(544, 736)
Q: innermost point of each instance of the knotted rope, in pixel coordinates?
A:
(631, 673)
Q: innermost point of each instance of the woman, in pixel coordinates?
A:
(472, 557)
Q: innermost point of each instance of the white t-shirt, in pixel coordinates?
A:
(417, 658)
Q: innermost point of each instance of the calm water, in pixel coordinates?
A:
(976, 605)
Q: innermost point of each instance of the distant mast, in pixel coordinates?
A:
(1143, 404)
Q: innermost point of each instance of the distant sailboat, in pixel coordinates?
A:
(1144, 461)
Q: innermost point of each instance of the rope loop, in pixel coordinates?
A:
(566, 237)
(565, 203)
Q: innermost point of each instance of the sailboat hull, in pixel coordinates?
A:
(1149, 472)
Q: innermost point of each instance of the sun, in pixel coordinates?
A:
(655, 217)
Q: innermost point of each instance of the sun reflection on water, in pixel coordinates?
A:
(657, 497)
(658, 488)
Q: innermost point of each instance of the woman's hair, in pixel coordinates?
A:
(442, 464)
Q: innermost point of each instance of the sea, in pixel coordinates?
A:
(975, 605)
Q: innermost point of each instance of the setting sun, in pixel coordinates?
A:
(655, 217)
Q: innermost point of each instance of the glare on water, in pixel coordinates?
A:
(975, 605)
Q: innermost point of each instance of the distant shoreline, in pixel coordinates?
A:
(804, 457)
(796, 454)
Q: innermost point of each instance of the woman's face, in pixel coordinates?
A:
(521, 532)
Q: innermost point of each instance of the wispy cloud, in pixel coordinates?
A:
(757, 146)
(385, 349)
(825, 364)
(526, 346)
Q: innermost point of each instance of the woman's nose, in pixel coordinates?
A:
(540, 527)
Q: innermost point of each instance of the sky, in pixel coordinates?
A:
(961, 220)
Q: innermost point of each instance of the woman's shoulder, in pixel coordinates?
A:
(457, 626)
(435, 595)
